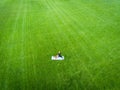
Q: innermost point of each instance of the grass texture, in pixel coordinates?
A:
(87, 32)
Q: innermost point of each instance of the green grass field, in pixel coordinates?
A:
(87, 32)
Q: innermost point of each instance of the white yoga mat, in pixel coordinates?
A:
(58, 58)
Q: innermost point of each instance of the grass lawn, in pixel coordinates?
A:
(87, 32)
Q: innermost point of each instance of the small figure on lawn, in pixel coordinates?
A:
(58, 56)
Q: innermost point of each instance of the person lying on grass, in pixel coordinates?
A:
(58, 55)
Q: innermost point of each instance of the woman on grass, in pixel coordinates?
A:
(58, 55)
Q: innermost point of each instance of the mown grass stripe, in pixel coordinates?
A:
(11, 38)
